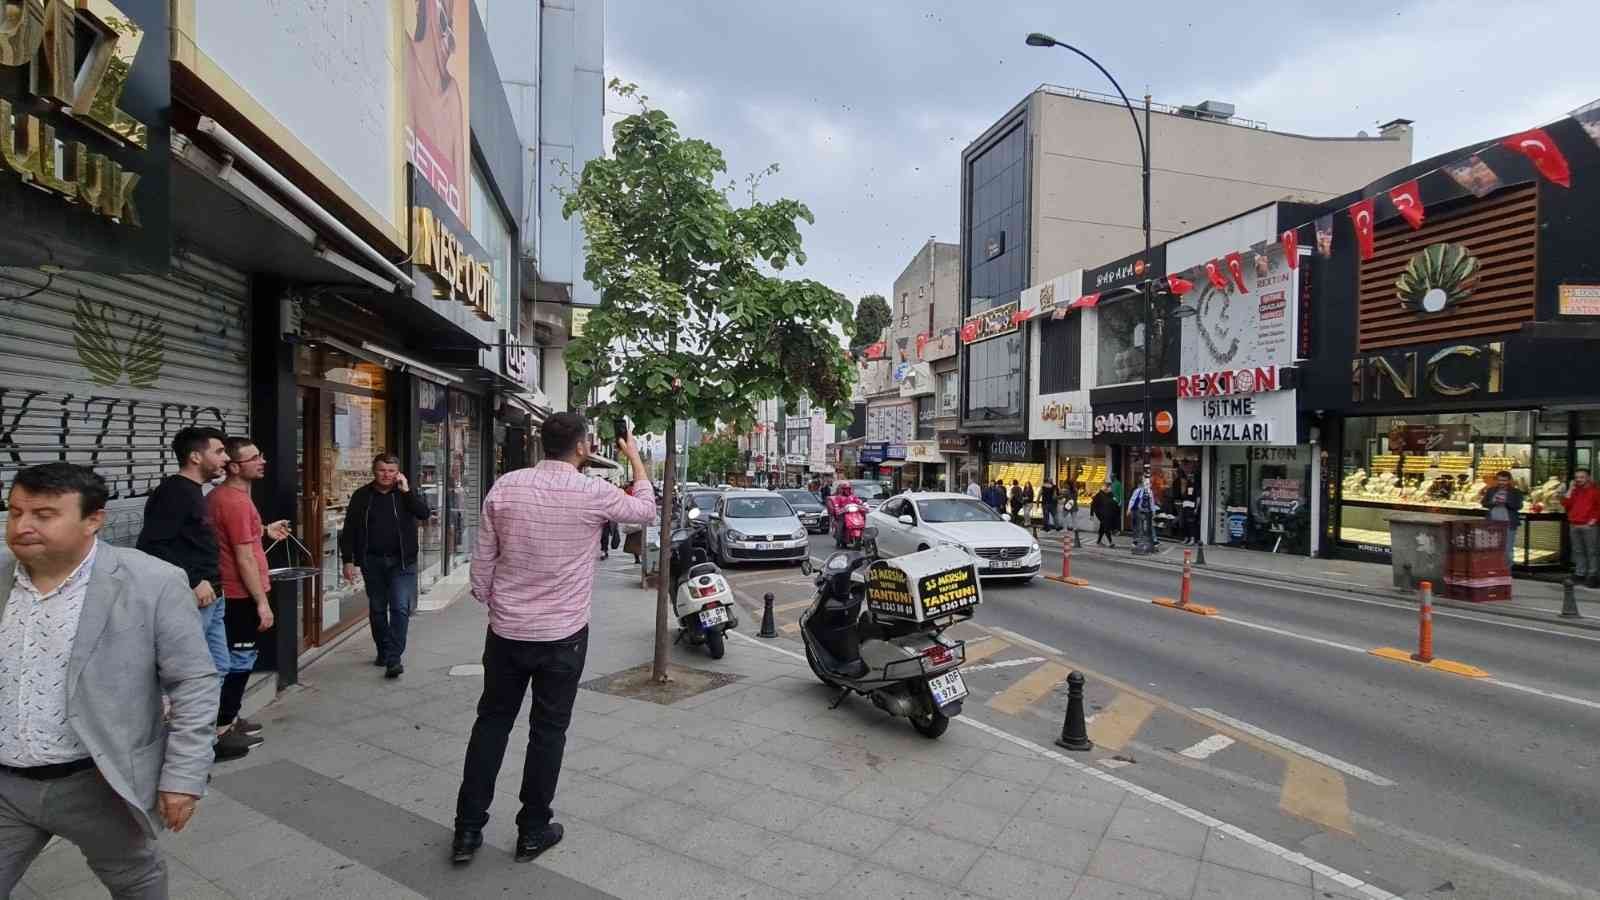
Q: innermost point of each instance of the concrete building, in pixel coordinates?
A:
(1054, 186)
(921, 347)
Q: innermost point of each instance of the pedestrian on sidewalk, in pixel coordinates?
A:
(1047, 499)
(995, 496)
(247, 613)
(533, 567)
(379, 536)
(1187, 496)
(974, 489)
(1108, 513)
(177, 530)
(1582, 504)
(1504, 503)
(91, 638)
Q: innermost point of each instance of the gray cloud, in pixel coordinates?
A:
(867, 106)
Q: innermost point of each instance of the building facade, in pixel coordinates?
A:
(920, 343)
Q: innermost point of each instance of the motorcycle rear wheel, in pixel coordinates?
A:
(716, 645)
(931, 725)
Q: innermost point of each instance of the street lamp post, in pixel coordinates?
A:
(1145, 541)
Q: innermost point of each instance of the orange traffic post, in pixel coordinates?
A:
(1066, 566)
(1424, 652)
(1188, 573)
(1185, 592)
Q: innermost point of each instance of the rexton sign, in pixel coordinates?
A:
(1248, 380)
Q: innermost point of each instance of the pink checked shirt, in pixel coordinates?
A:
(533, 565)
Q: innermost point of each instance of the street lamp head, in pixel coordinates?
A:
(1183, 311)
(1041, 40)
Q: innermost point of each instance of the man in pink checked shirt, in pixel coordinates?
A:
(533, 567)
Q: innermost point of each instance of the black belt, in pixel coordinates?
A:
(50, 772)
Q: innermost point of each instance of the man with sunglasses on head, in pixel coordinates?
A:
(243, 561)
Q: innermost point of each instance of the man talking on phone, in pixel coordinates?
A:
(533, 567)
(379, 537)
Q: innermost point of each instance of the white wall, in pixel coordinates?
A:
(571, 111)
(327, 72)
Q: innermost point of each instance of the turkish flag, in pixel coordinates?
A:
(1087, 301)
(1179, 285)
(1236, 269)
(969, 332)
(1538, 146)
(1407, 199)
(922, 341)
(1361, 217)
(1290, 240)
(1215, 276)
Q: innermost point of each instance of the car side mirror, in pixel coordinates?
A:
(1006, 516)
(907, 520)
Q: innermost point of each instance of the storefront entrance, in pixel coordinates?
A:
(1262, 498)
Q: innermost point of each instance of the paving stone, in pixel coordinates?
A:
(990, 793)
(1032, 772)
(650, 775)
(1053, 845)
(847, 831)
(1091, 888)
(723, 841)
(962, 821)
(933, 856)
(1003, 877)
(1230, 851)
(1077, 813)
(800, 867)
(869, 880)
(885, 802)
(1222, 883)
(775, 810)
(1145, 823)
(709, 790)
(1145, 867)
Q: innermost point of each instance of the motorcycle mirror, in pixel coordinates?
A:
(694, 512)
(805, 567)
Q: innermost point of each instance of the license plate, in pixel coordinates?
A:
(712, 617)
(1005, 564)
(947, 688)
(763, 546)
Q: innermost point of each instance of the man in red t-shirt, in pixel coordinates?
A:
(244, 568)
(1582, 504)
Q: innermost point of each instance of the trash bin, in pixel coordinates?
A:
(1418, 543)
(1476, 568)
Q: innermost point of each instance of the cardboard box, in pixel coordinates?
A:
(930, 584)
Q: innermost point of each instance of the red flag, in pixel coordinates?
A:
(922, 341)
(1214, 274)
(1290, 240)
(1236, 269)
(1536, 145)
(1179, 285)
(1407, 199)
(1361, 217)
(1086, 301)
(969, 332)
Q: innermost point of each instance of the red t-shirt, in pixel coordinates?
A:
(1583, 505)
(236, 521)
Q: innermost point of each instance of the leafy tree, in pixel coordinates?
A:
(872, 317)
(713, 460)
(692, 322)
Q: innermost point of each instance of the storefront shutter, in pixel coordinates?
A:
(1501, 231)
(104, 369)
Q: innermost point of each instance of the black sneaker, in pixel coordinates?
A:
(465, 845)
(394, 670)
(244, 726)
(234, 746)
(530, 845)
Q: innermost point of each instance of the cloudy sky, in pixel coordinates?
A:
(867, 104)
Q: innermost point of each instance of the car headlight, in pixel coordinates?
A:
(799, 534)
(736, 535)
(1034, 548)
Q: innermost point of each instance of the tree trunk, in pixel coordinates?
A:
(658, 666)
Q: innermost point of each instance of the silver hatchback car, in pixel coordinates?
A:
(757, 526)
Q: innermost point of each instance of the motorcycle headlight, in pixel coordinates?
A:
(736, 535)
(799, 534)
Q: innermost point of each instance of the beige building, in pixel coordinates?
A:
(921, 348)
(1054, 186)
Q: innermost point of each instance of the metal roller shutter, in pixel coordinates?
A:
(104, 369)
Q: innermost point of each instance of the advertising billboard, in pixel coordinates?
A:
(438, 139)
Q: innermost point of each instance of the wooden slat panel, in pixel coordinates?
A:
(1502, 232)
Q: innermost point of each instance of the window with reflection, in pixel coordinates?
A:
(996, 272)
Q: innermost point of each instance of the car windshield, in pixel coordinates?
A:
(757, 508)
(799, 498)
(868, 490)
(965, 509)
(706, 500)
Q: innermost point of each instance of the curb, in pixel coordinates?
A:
(1216, 571)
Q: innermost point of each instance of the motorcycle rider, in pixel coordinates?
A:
(836, 504)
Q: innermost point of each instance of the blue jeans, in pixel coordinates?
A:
(391, 596)
(213, 625)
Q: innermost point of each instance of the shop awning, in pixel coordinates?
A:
(891, 464)
(530, 404)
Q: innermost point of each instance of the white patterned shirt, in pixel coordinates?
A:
(36, 636)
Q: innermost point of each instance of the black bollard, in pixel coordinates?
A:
(1074, 732)
(1200, 554)
(1569, 600)
(769, 628)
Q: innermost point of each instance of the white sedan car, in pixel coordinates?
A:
(920, 521)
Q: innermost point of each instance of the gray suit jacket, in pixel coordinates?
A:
(139, 636)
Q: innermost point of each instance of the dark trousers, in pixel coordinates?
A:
(553, 668)
(391, 594)
(1105, 533)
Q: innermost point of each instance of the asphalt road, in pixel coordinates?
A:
(1478, 787)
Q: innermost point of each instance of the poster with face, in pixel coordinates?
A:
(1241, 329)
(438, 130)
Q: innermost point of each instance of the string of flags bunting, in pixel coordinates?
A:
(1480, 173)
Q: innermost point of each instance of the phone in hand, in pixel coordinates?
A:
(620, 426)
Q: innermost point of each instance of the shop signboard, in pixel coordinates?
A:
(1405, 438)
(894, 422)
(1427, 375)
(1123, 423)
(1131, 269)
(1242, 330)
(1014, 450)
(991, 323)
(953, 442)
(940, 346)
(923, 452)
(1578, 300)
(1063, 416)
(84, 179)
(874, 453)
(895, 451)
(1266, 419)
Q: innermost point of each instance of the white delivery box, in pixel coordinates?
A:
(929, 584)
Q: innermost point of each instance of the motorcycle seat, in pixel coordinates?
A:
(705, 568)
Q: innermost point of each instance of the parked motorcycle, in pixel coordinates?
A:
(702, 601)
(893, 653)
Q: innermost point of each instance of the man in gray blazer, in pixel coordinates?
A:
(91, 636)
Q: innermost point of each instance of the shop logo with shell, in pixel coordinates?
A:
(1437, 278)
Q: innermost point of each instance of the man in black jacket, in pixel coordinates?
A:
(380, 537)
(177, 529)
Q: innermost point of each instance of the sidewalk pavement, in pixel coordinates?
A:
(754, 789)
(1531, 599)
